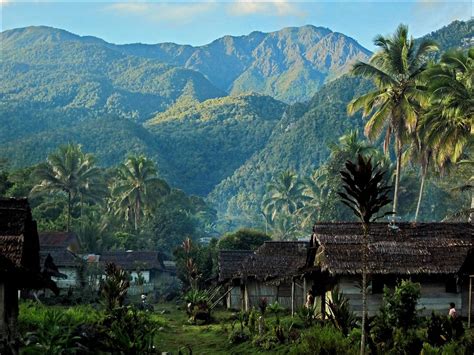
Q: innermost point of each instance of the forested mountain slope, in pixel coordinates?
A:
(206, 142)
(290, 64)
(299, 142)
(53, 68)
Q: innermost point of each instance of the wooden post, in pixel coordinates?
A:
(304, 290)
(292, 298)
(246, 297)
(470, 302)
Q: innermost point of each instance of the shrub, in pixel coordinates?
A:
(130, 331)
(400, 306)
(406, 341)
(115, 286)
(340, 313)
(324, 340)
(53, 334)
(238, 336)
(308, 315)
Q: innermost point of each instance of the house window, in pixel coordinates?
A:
(452, 285)
(377, 286)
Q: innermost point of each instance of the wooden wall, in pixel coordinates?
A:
(433, 297)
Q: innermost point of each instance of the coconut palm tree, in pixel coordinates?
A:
(447, 127)
(365, 193)
(394, 105)
(419, 153)
(137, 188)
(285, 195)
(68, 170)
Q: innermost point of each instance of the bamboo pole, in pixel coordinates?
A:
(292, 298)
(470, 302)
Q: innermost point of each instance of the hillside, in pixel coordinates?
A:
(290, 64)
(57, 69)
(299, 142)
(58, 87)
(206, 142)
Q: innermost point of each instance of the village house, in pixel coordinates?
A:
(271, 272)
(63, 248)
(439, 256)
(146, 269)
(229, 262)
(19, 262)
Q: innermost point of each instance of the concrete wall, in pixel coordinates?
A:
(70, 281)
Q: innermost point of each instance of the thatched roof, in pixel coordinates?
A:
(60, 240)
(61, 257)
(275, 261)
(230, 262)
(133, 260)
(422, 248)
(18, 237)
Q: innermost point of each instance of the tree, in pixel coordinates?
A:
(243, 239)
(68, 170)
(137, 188)
(285, 195)
(396, 70)
(447, 126)
(419, 153)
(366, 193)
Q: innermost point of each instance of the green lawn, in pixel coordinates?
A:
(202, 339)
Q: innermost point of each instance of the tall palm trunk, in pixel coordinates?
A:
(69, 208)
(422, 186)
(365, 250)
(397, 177)
(137, 213)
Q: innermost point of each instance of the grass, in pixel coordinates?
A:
(179, 335)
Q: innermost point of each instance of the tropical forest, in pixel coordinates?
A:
(285, 191)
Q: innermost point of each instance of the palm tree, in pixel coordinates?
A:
(419, 153)
(285, 195)
(394, 105)
(447, 127)
(137, 188)
(68, 170)
(365, 193)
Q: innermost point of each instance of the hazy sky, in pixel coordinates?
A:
(200, 22)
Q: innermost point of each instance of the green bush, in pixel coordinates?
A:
(340, 313)
(324, 340)
(400, 305)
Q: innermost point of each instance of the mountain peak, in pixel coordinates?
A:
(32, 35)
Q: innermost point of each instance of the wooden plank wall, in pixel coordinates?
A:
(433, 298)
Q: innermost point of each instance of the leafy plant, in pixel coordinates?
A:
(115, 286)
(366, 193)
(324, 340)
(340, 314)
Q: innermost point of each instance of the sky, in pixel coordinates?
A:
(200, 22)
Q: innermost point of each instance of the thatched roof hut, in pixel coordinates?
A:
(19, 246)
(275, 261)
(230, 262)
(133, 260)
(407, 249)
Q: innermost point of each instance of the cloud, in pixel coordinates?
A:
(177, 13)
(266, 8)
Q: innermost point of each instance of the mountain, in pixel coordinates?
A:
(56, 69)
(204, 143)
(290, 64)
(118, 100)
(458, 34)
(299, 142)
